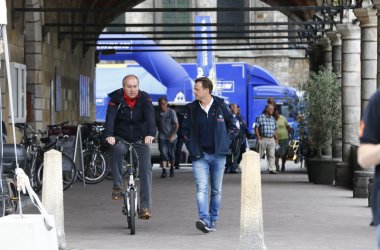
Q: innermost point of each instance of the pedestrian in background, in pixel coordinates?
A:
(236, 146)
(208, 130)
(167, 123)
(266, 135)
(179, 145)
(369, 153)
(283, 132)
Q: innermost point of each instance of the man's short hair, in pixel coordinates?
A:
(206, 83)
(125, 78)
(162, 99)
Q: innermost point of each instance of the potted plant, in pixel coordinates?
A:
(322, 115)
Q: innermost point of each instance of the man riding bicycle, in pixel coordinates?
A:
(130, 115)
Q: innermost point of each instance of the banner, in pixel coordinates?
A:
(205, 59)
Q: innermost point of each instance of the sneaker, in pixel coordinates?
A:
(212, 226)
(202, 226)
(145, 214)
(117, 194)
(283, 169)
(273, 172)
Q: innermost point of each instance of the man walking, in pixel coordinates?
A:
(208, 130)
(167, 123)
(266, 135)
(130, 115)
(369, 153)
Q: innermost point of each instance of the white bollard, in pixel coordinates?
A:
(251, 217)
(52, 192)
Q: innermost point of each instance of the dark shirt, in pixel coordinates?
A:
(205, 124)
(371, 134)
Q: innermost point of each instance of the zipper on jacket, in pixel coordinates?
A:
(131, 123)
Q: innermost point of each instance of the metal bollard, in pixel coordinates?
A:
(52, 192)
(251, 217)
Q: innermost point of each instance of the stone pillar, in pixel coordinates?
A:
(336, 44)
(376, 3)
(351, 82)
(325, 43)
(368, 25)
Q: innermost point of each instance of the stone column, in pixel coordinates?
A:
(376, 3)
(351, 82)
(325, 43)
(336, 44)
(368, 25)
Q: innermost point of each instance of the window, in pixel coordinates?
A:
(177, 17)
(18, 79)
(84, 96)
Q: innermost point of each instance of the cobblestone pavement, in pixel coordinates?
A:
(298, 215)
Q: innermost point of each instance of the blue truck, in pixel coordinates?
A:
(247, 86)
(160, 75)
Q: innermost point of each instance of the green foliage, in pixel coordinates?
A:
(322, 110)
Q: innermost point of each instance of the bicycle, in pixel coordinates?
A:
(131, 163)
(69, 170)
(96, 167)
(8, 186)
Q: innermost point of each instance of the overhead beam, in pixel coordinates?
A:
(322, 22)
(220, 9)
(107, 52)
(194, 38)
(198, 32)
(192, 44)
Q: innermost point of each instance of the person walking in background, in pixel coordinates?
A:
(130, 115)
(283, 132)
(232, 159)
(266, 135)
(208, 130)
(167, 123)
(369, 152)
(179, 145)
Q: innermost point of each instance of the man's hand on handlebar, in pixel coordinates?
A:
(111, 140)
(149, 139)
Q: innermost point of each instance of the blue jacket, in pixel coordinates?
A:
(130, 124)
(224, 131)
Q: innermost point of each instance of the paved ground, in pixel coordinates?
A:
(298, 215)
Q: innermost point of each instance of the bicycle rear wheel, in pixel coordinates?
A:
(95, 169)
(68, 172)
(132, 211)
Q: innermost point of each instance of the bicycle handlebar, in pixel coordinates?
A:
(59, 125)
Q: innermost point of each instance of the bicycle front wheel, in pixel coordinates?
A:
(132, 210)
(68, 172)
(95, 169)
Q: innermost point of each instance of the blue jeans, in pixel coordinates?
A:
(167, 149)
(211, 166)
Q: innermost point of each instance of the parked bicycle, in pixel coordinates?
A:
(8, 186)
(131, 164)
(69, 171)
(35, 154)
(95, 164)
